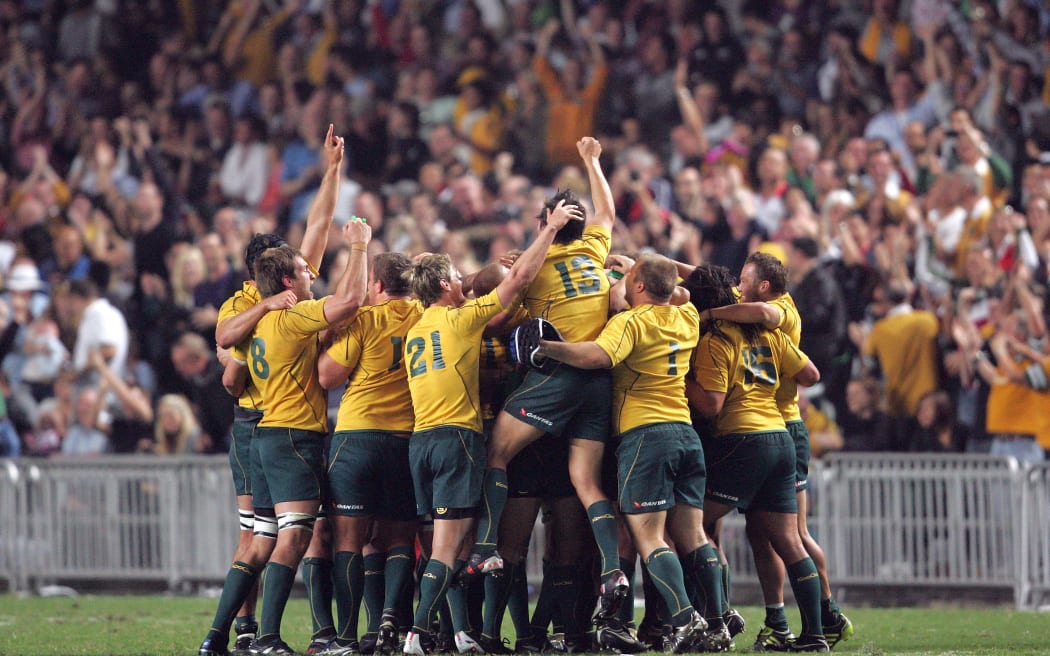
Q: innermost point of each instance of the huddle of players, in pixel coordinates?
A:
(413, 408)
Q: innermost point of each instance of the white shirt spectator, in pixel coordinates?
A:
(101, 325)
(245, 170)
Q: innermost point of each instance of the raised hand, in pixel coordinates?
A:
(357, 231)
(589, 148)
(333, 147)
(560, 216)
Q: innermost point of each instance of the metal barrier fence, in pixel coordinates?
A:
(919, 520)
(1035, 545)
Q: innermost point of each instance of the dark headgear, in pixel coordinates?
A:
(257, 246)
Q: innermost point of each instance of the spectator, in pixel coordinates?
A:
(246, 165)
(200, 376)
(822, 308)
(903, 343)
(86, 435)
(69, 261)
(864, 426)
(936, 429)
(176, 431)
(100, 326)
(572, 95)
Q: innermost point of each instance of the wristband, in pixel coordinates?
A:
(615, 275)
(359, 246)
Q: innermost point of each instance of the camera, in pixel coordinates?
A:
(635, 176)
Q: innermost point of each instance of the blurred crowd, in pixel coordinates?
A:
(894, 154)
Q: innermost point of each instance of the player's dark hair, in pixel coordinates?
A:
(256, 246)
(711, 286)
(389, 269)
(770, 269)
(572, 230)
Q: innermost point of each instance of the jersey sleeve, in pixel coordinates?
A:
(711, 364)
(792, 360)
(618, 338)
(305, 318)
(348, 346)
(475, 313)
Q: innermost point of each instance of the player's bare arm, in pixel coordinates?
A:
(582, 355)
(352, 288)
(322, 210)
(235, 329)
(601, 194)
(758, 312)
(709, 404)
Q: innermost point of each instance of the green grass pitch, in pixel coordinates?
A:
(174, 626)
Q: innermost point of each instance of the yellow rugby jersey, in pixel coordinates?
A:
(495, 367)
(441, 354)
(282, 361)
(748, 374)
(650, 347)
(790, 325)
(373, 345)
(571, 290)
(247, 298)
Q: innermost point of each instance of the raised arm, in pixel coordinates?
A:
(601, 195)
(322, 210)
(352, 287)
(528, 264)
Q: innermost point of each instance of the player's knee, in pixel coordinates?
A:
(246, 519)
(296, 521)
(264, 525)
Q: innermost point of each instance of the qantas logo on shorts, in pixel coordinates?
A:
(545, 422)
(649, 504)
(349, 506)
(721, 495)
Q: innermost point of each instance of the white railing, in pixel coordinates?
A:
(899, 519)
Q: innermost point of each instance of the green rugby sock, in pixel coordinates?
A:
(543, 613)
(703, 568)
(317, 576)
(776, 618)
(239, 581)
(349, 589)
(457, 603)
(494, 499)
(805, 583)
(432, 587)
(726, 584)
(276, 586)
(518, 602)
(397, 571)
(245, 624)
(666, 572)
(829, 610)
(497, 594)
(602, 516)
(374, 589)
